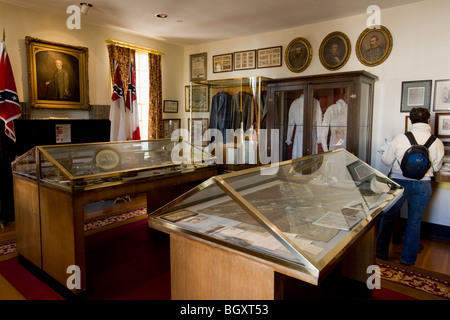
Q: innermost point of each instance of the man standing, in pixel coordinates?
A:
(59, 84)
(416, 192)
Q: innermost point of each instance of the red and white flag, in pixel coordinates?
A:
(9, 101)
(131, 104)
(117, 112)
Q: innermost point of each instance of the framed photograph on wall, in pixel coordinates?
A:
(441, 95)
(170, 106)
(374, 46)
(58, 75)
(334, 50)
(244, 60)
(298, 55)
(442, 125)
(269, 57)
(415, 94)
(198, 67)
(200, 98)
(223, 63)
(169, 126)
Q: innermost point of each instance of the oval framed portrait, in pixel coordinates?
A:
(298, 55)
(374, 46)
(334, 50)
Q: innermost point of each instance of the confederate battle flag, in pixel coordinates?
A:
(131, 104)
(9, 101)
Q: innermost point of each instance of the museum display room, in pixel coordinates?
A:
(259, 160)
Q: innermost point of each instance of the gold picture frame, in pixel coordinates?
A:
(374, 46)
(298, 55)
(50, 86)
(334, 50)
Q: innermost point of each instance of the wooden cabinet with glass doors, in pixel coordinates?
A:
(317, 113)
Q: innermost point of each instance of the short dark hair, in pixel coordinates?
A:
(419, 115)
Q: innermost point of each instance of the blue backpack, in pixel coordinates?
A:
(416, 162)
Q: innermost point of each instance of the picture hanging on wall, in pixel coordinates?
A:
(374, 46)
(334, 50)
(415, 94)
(58, 75)
(223, 63)
(269, 57)
(298, 55)
(198, 66)
(441, 95)
(244, 60)
(442, 125)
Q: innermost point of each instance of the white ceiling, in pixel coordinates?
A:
(198, 21)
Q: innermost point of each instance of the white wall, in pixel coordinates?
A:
(19, 23)
(420, 52)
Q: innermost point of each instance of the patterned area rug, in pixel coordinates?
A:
(416, 280)
(9, 248)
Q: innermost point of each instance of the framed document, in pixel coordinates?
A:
(170, 106)
(200, 99)
(169, 126)
(244, 60)
(269, 57)
(441, 95)
(223, 63)
(415, 94)
(198, 66)
(442, 125)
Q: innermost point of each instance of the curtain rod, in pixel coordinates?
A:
(132, 46)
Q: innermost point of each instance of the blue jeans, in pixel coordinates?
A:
(417, 193)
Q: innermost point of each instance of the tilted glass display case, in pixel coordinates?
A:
(89, 166)
(303, 213)
(54, 186)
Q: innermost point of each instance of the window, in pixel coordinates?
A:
(142, 89)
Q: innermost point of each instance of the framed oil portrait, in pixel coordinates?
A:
(334, 50)
(298, 55)
(374, 46)
(442, 125)
(170, 106)
(441, 95)
(415, 94)
(58, 75)
(200, 98)
(198, 66)
(223, 63)
(169, 126)
(244, 60)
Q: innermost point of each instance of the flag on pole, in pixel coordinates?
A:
(9, 101)
(131, 104)
(117, 113)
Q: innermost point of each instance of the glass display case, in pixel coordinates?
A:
(54, 187)
(318, 113)
(235, 110)
(302, 213)
(89, 166)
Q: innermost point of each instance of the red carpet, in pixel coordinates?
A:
(24, 282)
(129, 262)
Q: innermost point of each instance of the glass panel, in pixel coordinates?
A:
(26, 165)
(333, 131)
(290, 123)
(315, 204)
(364, 130)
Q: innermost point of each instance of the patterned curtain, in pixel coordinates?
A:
(125, 56)
(155, 128)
